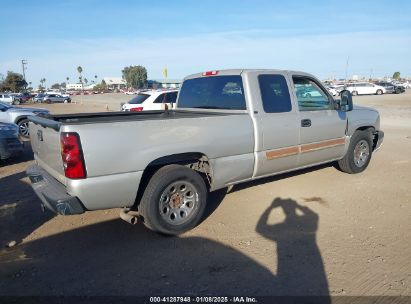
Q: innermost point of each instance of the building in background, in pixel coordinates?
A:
(113, 83)
(167, 84)
(74, 86)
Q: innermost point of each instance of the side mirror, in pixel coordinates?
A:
(346, 104)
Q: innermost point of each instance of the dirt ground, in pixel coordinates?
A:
(313, 232)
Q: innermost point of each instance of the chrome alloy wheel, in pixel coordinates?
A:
(361, 153)
(24, 129)
(178, 202)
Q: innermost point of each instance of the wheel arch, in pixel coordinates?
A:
(197, 161)
(20, 118)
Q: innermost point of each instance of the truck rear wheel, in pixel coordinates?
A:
(174, 200)
(359, 153)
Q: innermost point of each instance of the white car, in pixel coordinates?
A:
(332, 91)
(151, 100)
(363, 88)
(131, 92)
(6, 98)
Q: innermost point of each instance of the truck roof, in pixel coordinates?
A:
(242, 71)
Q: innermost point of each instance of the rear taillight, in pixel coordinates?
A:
(72, 155)
(139, 109)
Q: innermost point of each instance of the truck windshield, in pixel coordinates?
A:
(217, 92)
(139, 99)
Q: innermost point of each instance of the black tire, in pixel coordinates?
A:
(23, 128)
(152, 206)
(48, 101)
(354, 93)
(348, 164)
(379, 92)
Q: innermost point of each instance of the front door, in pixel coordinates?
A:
(322, 128)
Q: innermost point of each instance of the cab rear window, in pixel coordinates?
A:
(217, 92)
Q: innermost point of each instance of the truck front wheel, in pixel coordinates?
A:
(174, 200)
(359, 153)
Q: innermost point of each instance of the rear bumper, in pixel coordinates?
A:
(379, 135)
(52, 193)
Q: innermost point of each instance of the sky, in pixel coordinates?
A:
(191, 36)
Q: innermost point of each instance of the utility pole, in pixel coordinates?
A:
(346, 69)
(23, 65)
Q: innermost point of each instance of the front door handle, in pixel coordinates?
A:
(305, 123)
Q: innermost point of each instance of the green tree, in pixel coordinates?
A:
(56, 86)
(13, 82)
(396, 75)
(43, 81)
(85, 81)
(100, 87)
(135, 76)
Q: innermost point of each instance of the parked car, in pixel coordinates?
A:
(19, 115)
(10, 144)
(131, 92)
(332, 91)
(50, 98)
(391, 88)
(57, 93)
(151, 100)
(229, 127)
(6, 98)
(364, 88)
(22, 98)
(39, 97)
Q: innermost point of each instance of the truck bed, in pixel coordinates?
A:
(55, 121)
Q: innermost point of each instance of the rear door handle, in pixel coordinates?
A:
(305, 123)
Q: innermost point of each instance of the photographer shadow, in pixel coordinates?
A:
(300, 269)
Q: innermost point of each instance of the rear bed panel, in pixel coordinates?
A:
(45, 143)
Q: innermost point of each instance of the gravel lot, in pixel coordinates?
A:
(313, 232)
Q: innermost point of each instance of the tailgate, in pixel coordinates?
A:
(45, 142)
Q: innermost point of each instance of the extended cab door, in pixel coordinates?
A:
(276, 118)
(322, 128)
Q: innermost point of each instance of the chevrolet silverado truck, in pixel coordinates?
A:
(229, 127)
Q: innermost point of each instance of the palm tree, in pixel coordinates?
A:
(80, 70)
(42, 81)
(67, 78)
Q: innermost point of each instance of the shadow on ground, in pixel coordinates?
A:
(113, 258)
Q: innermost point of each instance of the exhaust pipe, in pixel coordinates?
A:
(129, 218)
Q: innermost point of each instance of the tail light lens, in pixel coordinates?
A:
(72, 155)
(139, 109)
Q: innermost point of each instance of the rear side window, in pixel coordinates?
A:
(274, 93)
(216, 92)
(160, 98)
(139, 99)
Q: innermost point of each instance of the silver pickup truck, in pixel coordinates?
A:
(230, 126)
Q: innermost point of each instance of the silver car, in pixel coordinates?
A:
(49, 98)
(18, 116)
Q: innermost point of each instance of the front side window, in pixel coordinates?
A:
(216, 92)
(310, 96)
(274, 93)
